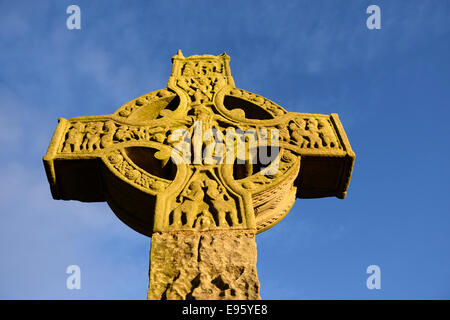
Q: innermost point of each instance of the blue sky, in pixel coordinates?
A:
(390, 87)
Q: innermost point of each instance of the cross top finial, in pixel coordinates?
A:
(201, 68)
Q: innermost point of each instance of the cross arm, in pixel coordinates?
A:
(326, 156)
(71, 171)
(82, 147)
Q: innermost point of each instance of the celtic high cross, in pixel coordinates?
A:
(201, 202)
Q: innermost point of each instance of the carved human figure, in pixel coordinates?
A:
(209, 154)
(314, 133)
(327, 134)
(221, 202)
(92, 139)
(298, 132)
(283, 132)
(204, 116)
(108, 134)
(191, 205)
(123, 134)
(74, 138)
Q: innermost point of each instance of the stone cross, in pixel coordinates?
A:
(189, 166)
